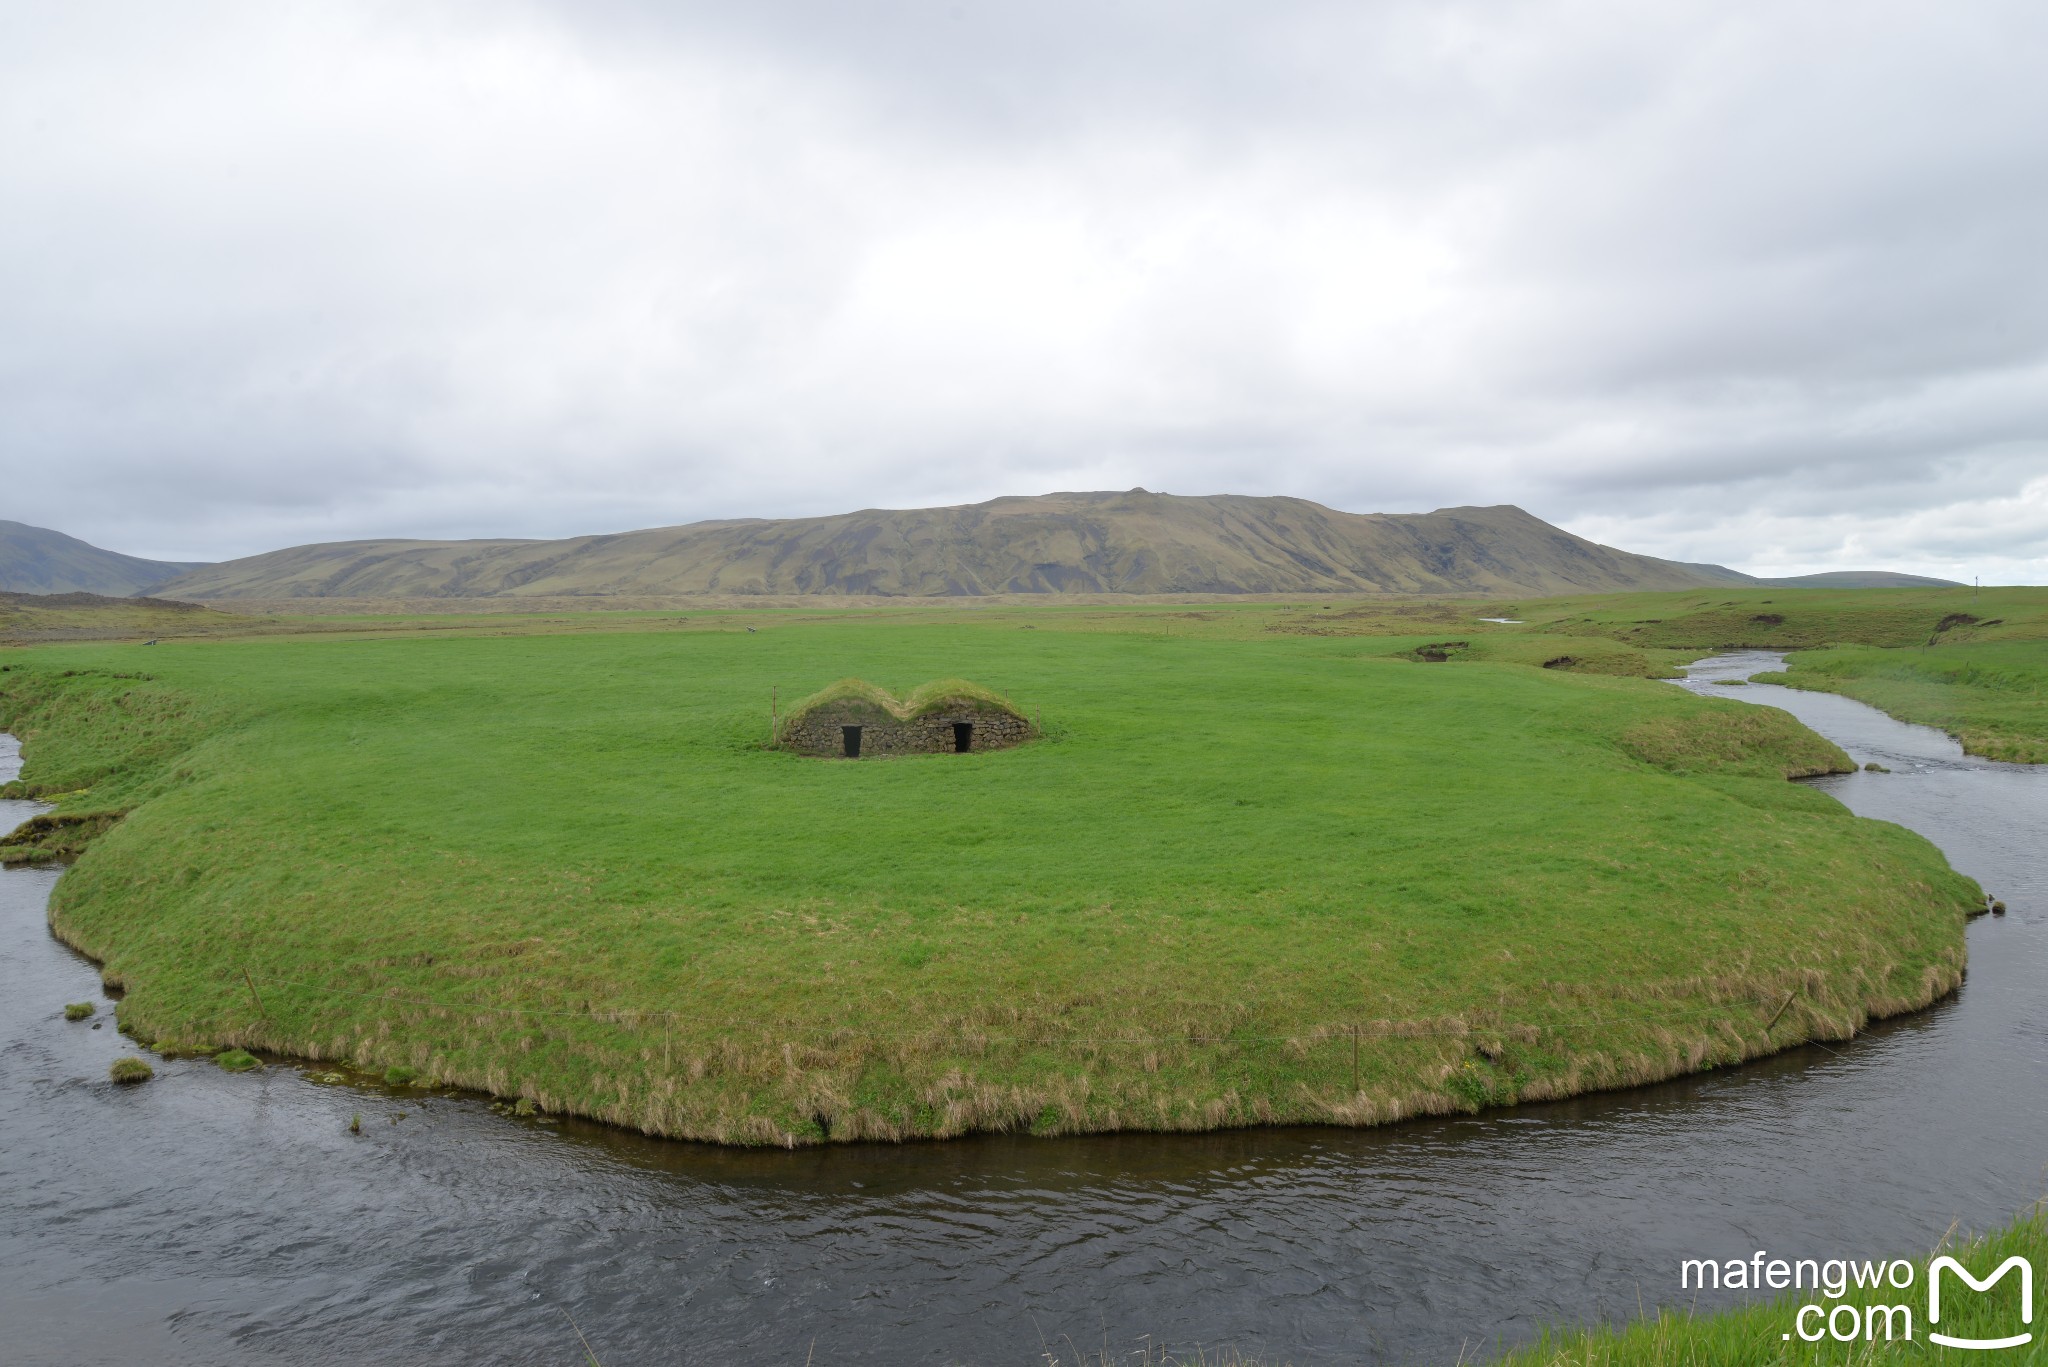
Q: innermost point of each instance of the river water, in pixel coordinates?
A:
(217, 1218)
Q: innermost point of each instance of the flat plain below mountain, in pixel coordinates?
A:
(1334, 860)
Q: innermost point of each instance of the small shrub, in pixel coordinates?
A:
(236, 1060)
(1473, 1086)
(130, 1070)
(398, 1075)
(78, 1011)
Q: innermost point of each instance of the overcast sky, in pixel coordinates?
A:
(1758, 283)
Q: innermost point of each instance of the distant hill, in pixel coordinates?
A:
(1132, 542)
(38, 560)
(1832, 579)
(1861, 579)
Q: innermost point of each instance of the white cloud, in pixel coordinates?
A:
(1752, 285)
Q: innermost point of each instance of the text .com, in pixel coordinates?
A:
(1886, 1305)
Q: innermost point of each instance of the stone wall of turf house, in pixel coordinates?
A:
(822, 732)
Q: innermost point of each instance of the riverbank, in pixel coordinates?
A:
(1241, 882)
(1992, 696)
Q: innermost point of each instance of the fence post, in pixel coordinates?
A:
(1781, 1010)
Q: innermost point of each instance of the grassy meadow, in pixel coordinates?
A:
(1263, 867)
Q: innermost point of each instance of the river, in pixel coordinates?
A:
(211, 1218)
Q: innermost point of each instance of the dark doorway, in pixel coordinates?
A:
(963, 737)
(852, 736)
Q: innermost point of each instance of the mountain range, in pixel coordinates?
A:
(1135, 542)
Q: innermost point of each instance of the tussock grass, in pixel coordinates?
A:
(236, 1060)
(78, 1011)
(53, 836)
(130, 1070)
(1250, 877)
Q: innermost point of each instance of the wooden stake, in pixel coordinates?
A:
(1354, 1059)
(252, 992)
(1781, 1010)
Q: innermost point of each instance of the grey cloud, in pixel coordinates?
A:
(1755, 285)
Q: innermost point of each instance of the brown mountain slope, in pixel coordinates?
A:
(1135, 542)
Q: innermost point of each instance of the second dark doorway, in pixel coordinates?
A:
(963, 737)
(851, 734)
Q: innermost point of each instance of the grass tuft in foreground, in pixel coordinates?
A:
(130, 1070)
(78, 1011)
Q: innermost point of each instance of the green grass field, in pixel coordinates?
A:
(1258, 869)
